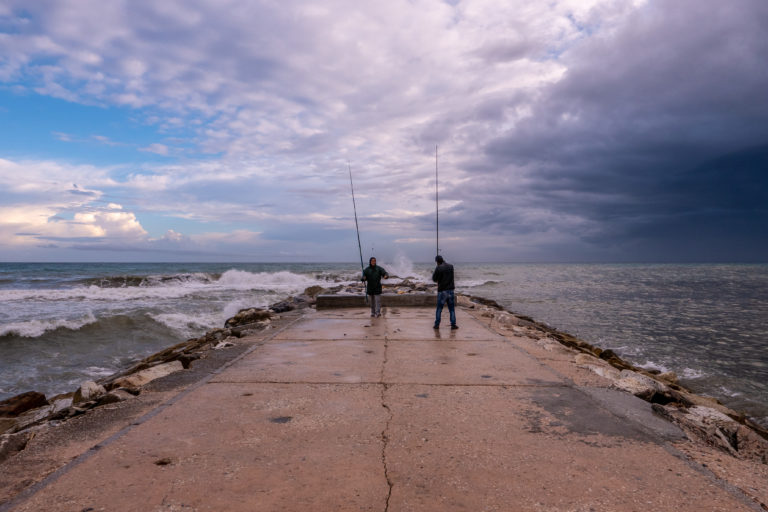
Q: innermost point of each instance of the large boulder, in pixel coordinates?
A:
(88, 391)
(60, 404)
(282, 306)
(717, 429)
(314, 291)
(7, 424)
(116, 395)
(690, 399)
(598, 366)
(640, 385)
(20, 403)
(31, 418)
(12, 443)
(248, 316)
(464, 301)
(146, 376)
(218, 334)
(506, 319)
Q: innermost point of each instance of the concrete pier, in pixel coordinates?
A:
(339, 411)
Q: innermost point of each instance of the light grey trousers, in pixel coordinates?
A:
(375, 301)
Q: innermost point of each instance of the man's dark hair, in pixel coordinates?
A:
(439, 259)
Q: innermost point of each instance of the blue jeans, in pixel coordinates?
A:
(445, 297)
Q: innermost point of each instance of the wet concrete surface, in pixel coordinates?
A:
(343, 412)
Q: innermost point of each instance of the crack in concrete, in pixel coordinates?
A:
(385, 432)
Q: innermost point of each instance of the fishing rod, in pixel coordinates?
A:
(357, 227)
(437, 210)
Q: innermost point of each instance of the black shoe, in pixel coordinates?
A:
(454, 327)
(435, 326)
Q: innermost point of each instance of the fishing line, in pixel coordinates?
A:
(357, 227)
(437, 210)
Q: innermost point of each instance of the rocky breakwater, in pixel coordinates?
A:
(703, 419)
(25, 415)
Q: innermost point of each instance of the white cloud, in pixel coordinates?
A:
(158, 149)
(111, 224)
(28, 226)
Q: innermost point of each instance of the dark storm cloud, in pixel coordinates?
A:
(655, 141)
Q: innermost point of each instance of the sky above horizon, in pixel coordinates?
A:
(568, 130)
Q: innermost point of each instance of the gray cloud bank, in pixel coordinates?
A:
(653, 146)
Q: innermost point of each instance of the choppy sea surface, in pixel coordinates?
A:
(62, 323)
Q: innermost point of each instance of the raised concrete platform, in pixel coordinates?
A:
(387, 300)
(344, 412)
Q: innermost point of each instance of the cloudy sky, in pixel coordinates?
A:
(222, 130)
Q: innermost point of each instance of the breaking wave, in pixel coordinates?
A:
(146, 281)
(35, 328)
(169, 287)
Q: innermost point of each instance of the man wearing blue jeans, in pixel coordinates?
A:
(443, 276)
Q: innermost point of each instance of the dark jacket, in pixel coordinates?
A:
(443, 276)
(372, 277)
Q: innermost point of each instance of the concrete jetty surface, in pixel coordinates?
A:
(339, 411)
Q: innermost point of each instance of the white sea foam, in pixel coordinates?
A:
(35, 328)
(652, 365)
(472, 283)
(623, 350)
(194, 323)
(283, 281)
(729, 392)
(96, 293)
(235, 306)
(98, 371)
(692, 373)
(401, 267)
(188, 324)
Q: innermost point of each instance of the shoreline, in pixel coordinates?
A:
(728, 431)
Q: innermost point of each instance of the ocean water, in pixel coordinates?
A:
(64, 323)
